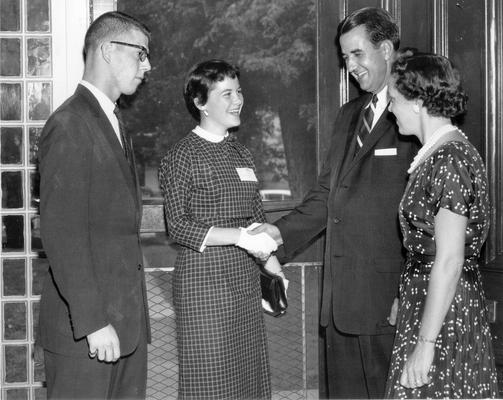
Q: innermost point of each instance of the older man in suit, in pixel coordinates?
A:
(94, 318)
(356, 200)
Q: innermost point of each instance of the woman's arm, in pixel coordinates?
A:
(445, 273)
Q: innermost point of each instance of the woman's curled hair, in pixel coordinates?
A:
(432, 79)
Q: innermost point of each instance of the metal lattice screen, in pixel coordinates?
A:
(292, 338)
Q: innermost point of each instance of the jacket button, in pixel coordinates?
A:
(336, 220)
(139, 267)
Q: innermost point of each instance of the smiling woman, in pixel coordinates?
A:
(211, 195)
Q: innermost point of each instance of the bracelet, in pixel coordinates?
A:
(422, 339)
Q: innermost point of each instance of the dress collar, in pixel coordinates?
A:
(432, 140)
(209, 136)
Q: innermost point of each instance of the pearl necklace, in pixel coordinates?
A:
(433, 139)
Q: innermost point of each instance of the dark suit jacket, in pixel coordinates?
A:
(90, 214)
(356, 199)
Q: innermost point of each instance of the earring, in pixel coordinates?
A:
(415, 108)
(205, 113)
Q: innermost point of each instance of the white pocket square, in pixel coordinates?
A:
(385, 152)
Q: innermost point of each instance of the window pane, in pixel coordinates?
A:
(38, 367)
(16, 364)
(39, 100)
(34, 134)
(34, 189)
(36, 242)
(38, 15)
(12, 189)
(17, 394)
(15, 321)
(14, 277)
(12, 233)
(39, 57)
(11, 149)
(273, 43)
(10, 57)
(41, 393)
(39, 271)
(10, 101)
(10, 16)
(35, 312)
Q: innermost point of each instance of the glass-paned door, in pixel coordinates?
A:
(26, 99)
(34, 78)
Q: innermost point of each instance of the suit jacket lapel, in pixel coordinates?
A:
(108, 133)
(347, 145)
(380, 129)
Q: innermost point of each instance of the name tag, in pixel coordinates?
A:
(385, 152)
(246, 174)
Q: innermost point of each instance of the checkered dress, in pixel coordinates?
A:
(221, 336)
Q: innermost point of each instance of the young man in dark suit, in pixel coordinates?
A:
(94, 318)
(356, 200)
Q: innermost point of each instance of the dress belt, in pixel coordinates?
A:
(427, 258)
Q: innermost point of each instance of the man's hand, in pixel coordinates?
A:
(260, 245)
(104, 343)
(393, 313)
(271, 230)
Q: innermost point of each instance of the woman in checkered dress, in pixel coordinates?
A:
(210, 192)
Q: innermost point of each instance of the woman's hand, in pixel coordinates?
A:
(274, 267)
(417, 366)
(260, 246)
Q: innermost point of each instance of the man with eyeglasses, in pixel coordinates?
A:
(93, 314)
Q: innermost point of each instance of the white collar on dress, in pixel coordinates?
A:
(210, 137)
(432, 140)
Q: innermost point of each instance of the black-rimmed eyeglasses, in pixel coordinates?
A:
(142, 55)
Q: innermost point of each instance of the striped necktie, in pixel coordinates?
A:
(125, 142)
(368, 117)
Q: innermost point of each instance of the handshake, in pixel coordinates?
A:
(259, 245)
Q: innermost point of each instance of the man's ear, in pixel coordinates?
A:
(387, 47)
(106, 51)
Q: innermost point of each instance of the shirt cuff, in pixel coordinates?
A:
(203, 246)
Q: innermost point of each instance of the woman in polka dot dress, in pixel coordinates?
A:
(443, 345)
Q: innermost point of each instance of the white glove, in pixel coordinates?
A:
(260, 246)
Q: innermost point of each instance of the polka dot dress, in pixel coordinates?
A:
(453, 177)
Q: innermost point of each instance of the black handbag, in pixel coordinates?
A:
(273, 291)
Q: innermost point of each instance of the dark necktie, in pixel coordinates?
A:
(124, 139)
(368, 117)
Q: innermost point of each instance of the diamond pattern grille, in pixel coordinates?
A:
(287, 342)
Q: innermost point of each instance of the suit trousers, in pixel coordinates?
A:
(70, 377)
(357, 365)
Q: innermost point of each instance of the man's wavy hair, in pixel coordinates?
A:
(433, 79)
(379, 24)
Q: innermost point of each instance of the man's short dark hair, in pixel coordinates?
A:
(110, 26)
(379, 24)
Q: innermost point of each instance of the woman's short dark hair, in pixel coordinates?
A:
(200, 80)
(379, 24)
(432, 79)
